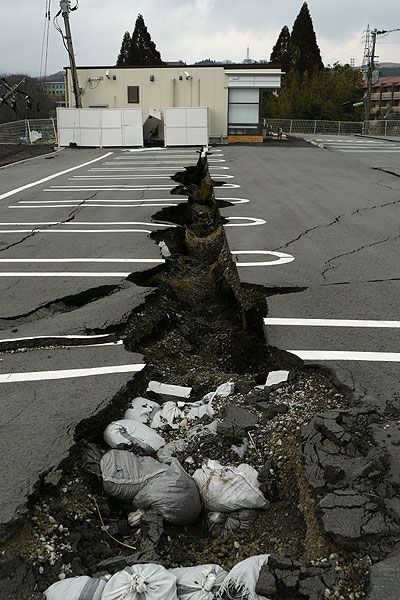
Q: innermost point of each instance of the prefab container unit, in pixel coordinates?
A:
(98, 127)
(186, 126)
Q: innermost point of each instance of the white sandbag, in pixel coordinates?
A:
(224, 489)
(128, 433)
(170, 414)
(141, 582)
(165, 489)
(241, 581)
(222, 524)
(142, 410)
(222, 391)
(199, 409)
(167, 453)
(202, 430)
(76, 588)
(199, 583)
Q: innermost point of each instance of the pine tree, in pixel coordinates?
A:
(281, 51)
(305, 53)
(123, 56)
(142, 50)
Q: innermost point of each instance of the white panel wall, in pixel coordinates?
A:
(97, 127)
(186, 126)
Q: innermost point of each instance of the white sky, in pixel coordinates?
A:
(192, 29)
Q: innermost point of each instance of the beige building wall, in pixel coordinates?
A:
(208, 86)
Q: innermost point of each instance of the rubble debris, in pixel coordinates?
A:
(282, 575)
(225, 489)
(351, 460)
(236, 421)
(169, 392)
(223, 524)
(151, 485)
(125, 433)
(276, 377)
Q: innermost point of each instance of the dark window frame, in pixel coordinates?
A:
(133, 94)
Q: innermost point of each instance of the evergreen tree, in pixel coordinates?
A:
(142, 50)
(281, 51)
(305, 53)
(123, 56)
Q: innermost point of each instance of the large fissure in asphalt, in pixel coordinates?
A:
(326, 466)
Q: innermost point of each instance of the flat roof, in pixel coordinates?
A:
(226, 66)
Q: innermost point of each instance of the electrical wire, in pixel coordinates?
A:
(45, 41)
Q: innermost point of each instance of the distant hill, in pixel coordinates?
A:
(389, 69)
(59, 76)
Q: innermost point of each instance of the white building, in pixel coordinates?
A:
(232, 93)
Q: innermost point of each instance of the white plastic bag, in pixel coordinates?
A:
(128, 433)
(198, 583)
(165, 489)
(196, 410)
(170, 414)
(142, 410)
(241, 581)
(76, 588)
(222, 391)
(224, 489)
(141, 582)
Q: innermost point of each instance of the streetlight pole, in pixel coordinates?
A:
(65, 6)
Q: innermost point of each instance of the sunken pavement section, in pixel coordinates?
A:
(259, 476)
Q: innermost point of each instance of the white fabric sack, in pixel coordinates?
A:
(166, 454)
(76, 588)
(141, 582)
(196, 410)
(170, 414)
(128, 433)
(198, 583)
(241, 581)
(165, 489)
(224, 489)
(222, 391)
(227, 523)
(142, 410)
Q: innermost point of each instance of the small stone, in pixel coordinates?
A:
(61, 576)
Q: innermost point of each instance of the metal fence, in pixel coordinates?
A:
(379, 128)
(313, 127)
(29, 131)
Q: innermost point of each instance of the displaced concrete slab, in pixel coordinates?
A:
(38, 418)
(104, 314)
(385, 578)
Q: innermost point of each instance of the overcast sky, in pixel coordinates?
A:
(192, 29)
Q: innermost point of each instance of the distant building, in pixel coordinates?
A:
(232, 93)
(385, 98)
(55, 88)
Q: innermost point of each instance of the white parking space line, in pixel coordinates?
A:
(331, 323)
(123, 188)
(82, 260)
(74, 231)
(145, 169)
(153, 224)
(177, 162)
(44, 274)
(347, 356)
(69, 373)
(43, 206)
(45, 179)
(251, 222)
(78, 203)
(282, 258)
(144, 176)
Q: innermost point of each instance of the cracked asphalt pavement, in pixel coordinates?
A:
(339, 217)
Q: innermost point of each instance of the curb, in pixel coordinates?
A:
(375, 137)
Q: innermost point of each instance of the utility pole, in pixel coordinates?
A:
(65, 6)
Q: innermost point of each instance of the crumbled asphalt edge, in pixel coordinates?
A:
(155, 322)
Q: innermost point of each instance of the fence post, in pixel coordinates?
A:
(55, 130)
(290, 126)
(339, 127)
(28, 129)
(315, 127)
(386, 128)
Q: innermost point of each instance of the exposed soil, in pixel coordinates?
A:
(10, 153)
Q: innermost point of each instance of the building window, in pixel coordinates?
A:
(244, 111)
(133, 94)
